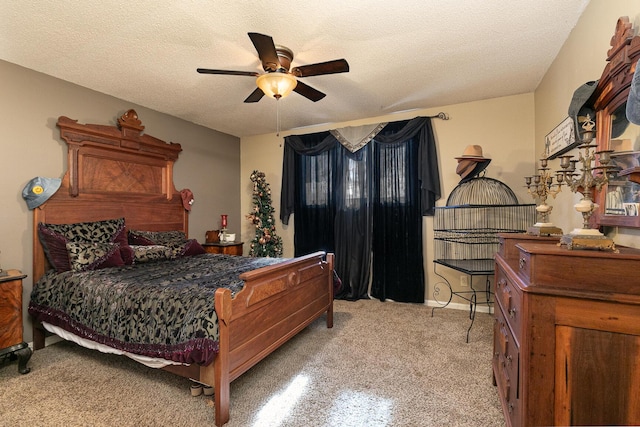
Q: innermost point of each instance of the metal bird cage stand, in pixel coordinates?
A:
(466, 237)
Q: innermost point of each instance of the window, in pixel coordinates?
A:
(317, 180)
(392, 180)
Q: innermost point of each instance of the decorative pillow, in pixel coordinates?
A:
(176, 240)
(127, 254)
(148, 253)
(84, 256)
(55, 248)
(54, 238)
(188, 247)
(137, 237)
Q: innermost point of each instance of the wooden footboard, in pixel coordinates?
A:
(276, 303)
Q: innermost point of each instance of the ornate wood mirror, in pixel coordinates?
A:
(619, 199)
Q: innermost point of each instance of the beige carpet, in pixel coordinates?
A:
(383, 364)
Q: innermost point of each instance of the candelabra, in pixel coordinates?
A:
(585, 181)
(541, 186)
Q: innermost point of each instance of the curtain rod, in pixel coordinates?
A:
(440, 115)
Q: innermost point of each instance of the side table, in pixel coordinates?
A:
(472, 268)
(11, 340)
(228, 248)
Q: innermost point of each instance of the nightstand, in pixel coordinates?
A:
(11, 341)
(228, 248)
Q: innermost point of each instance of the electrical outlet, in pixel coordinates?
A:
(464, 281)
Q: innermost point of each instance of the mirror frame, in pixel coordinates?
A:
(612, 92)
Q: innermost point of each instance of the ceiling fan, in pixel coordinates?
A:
(279, 80)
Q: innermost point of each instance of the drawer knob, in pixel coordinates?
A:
(512, 313)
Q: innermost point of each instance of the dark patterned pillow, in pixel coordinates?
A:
(188, 247)
(137, 237)
(84, 256)
(54, 238)
(176, 240)
(148, 253)
(126, 252)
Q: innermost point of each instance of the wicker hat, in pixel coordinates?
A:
(471, 163)
(472, 152)
(38, 190)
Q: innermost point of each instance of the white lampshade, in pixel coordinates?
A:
(276, 85)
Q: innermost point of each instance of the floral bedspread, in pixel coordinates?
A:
(157, 309)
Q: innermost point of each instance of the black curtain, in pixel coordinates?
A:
(364, 205)
(398, 272)
(353, 226)
(311, 161)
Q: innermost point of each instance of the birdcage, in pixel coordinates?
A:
(466, 230)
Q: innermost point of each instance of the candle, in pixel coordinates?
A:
(223, 221)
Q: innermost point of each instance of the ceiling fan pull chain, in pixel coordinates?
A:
(277, 117)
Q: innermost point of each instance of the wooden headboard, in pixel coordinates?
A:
(113, 172)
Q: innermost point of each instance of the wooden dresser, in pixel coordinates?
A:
(11, 339)
(228, 248)
(567, 335)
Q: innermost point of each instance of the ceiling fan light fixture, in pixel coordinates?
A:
(277, 84)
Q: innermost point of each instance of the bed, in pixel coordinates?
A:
(118, 172)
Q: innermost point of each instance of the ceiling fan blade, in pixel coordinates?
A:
(255, 96)
(227, 72)
(266, 50)
(329, 67)
(309, 92)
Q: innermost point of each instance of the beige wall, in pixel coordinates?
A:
(582, 59)
(511, 131)
(30, 105)
(504, 127)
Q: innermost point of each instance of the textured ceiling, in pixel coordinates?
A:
(403, 55)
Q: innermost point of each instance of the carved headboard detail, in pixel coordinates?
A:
(123, 153)
(113, 172)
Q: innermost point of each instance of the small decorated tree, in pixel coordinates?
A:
(265, 243)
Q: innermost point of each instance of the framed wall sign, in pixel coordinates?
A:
(560, 140)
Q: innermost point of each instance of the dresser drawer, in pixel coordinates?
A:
(524, 265)
(506, 347)
(11, 309)
(508, 250)
(507, 246)
(509, 299)
(553, 266)
(506, 359)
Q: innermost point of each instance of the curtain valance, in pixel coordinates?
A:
(354, 138)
